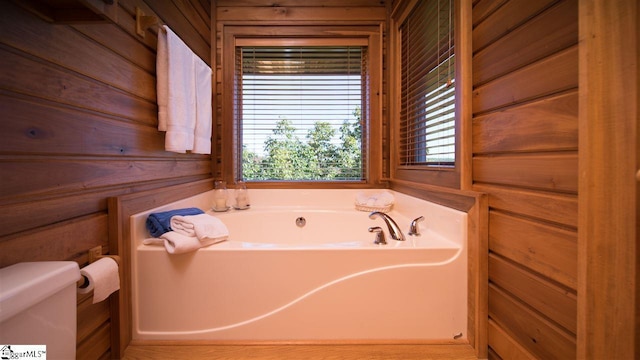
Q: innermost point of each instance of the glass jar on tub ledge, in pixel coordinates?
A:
(242, 196)
(220, 196)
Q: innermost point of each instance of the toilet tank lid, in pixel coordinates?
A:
(25, 284)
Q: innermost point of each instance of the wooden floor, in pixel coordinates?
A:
(305, 352)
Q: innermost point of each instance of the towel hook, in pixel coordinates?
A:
(143, 22)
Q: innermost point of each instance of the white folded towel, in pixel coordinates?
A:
(190, 233)
(176, 243)
(202, 226)
(380, 199)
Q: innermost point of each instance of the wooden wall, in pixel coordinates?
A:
(79, 125)
(525, 156)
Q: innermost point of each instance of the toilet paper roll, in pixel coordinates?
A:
(103, 278)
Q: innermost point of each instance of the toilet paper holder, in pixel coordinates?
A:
(95, 254)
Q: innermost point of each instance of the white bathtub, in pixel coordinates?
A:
(326, 281)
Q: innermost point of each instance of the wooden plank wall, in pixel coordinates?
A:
(525, 156)
(283, 13)
(78, 108)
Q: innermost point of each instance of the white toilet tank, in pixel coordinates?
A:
(38, 307)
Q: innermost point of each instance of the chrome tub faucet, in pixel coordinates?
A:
(394, 229)
(414, 230)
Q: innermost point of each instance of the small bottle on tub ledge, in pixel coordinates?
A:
(220, 196)
(242, 196)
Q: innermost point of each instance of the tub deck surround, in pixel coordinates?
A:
(275, 281)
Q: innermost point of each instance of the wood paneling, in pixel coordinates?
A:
(54, 208)
(493, 19)
(551, 172)
(63, 241)
(548, 124)
(72, 175)
(296, 352)
(526, 84)
(505, 345)
(546, 249)
(560, 209)
(298, 3)
(557, 302)
(79, 125)
(305, 13)
(532, 331)
(609, 190)
(525, 157)
(64, 46)
(34, 77)
(548, 33)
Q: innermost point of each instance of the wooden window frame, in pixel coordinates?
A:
(295, 36)
(459, 175)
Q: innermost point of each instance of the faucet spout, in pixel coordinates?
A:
(394, 229)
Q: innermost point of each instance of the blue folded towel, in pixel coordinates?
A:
(160, 222)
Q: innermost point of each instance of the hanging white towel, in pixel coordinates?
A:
(184, 95)
(202, 136)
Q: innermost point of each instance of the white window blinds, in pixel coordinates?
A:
(300, 112)
(427, 119)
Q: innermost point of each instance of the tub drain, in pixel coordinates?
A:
(300, 222)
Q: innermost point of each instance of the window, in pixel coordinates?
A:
(429, 92)
(300, 112)
(427, 116)
(350, 57)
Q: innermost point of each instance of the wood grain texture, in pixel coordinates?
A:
(19, 216)
(40, 127)
(456, 199)
(122, 43)
(284, 352)
(551, 172)
(307, 3)
(559, 209)
(533, 332)
(26, 178)
(548, 250)
(526, 84)
(505, 345)
(553, 30)
(547, 124)
(484, 8)
(525, 157)
(92, 315)
(558, 303)
(64, 46)
(65, 241)
(608, 192)
(318, 14)
(505, 17)
(79, 121)
(34, 77)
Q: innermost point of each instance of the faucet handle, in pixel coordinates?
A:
(380, 239)
(413, 228)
